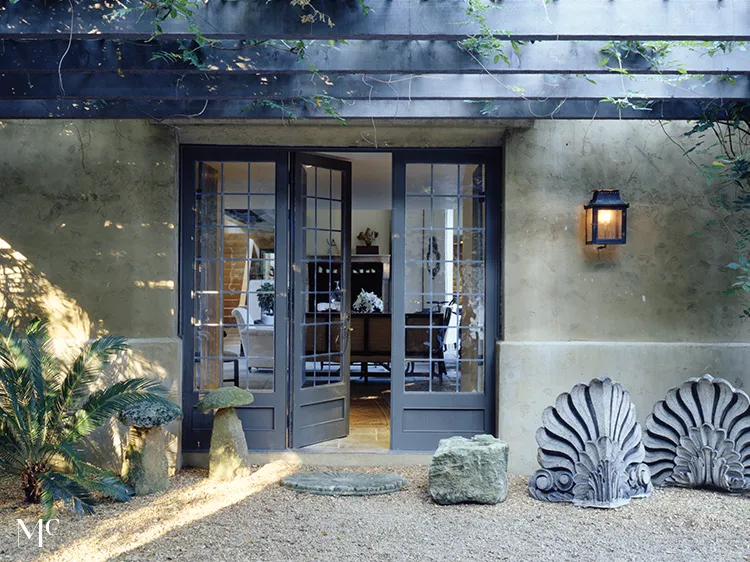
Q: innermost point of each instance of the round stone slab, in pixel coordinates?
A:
(344, 483)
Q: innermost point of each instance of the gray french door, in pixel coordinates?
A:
(233, 297)
(446, 297)
(321, 250)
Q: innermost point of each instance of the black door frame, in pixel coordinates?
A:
(265, 420)
(196, 425)
(478, 411)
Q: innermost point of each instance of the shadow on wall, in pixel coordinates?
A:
(26, 293)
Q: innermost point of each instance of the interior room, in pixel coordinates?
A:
(443, 284)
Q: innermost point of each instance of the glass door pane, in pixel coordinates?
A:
(444, 273)
(234, 290)
(325, 287)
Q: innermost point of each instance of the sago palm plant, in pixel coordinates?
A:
(47, 409)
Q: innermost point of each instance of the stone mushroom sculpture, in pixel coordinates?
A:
(145, 467)
(228, 458)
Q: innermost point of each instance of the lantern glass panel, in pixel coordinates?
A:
(610, 224)
(589, 226)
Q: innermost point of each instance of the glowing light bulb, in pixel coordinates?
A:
(606, 216)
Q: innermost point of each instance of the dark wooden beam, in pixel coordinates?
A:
(365, 87)
(197, 110)
(401, 19)
(359, 57)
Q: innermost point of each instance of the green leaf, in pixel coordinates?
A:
(60, 486)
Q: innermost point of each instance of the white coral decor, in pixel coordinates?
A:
(367, 302)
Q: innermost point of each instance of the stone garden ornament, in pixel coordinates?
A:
(590, 449)
(699, 437)
(145, 467)
(227, 457)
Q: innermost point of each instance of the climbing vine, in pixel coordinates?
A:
(724, 129)
(727, 124)
(486, 41)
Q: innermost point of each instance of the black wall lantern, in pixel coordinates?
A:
(606, 218)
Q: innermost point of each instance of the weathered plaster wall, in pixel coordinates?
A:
(88, 238)
(650, 312)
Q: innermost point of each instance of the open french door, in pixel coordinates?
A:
(320, 310)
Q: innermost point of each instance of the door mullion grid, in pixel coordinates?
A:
(221, 280)
(431, 279)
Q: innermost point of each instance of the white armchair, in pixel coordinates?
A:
(257, 340)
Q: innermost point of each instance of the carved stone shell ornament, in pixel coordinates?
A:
(590, 449)
(699, 437)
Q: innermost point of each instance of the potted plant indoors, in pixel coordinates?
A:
(266, 294)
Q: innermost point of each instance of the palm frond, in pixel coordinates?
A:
(35, 375)
(46, 409)
(86, 368)
(103, 404)
(58, 486)
(66, 451)
(11, 385)
(47, 500)
(104, 482)
(11, 347)
(11, 457)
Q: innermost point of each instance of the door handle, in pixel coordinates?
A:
(347, 332)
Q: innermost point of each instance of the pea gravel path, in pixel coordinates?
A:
(256, 519)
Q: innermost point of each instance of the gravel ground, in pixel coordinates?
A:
(255, 519)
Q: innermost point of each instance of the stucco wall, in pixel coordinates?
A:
(650, 312)
(88, 239)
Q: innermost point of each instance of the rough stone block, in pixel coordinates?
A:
(228, 457)
(469, 470)
(145, 467)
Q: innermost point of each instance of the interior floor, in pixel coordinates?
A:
(369, 420)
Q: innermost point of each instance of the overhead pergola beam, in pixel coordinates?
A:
(401, 19)
(365, 87)
(359, 57)
(422, 109)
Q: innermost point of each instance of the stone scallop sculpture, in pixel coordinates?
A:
(699, 437)
(590, 449)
